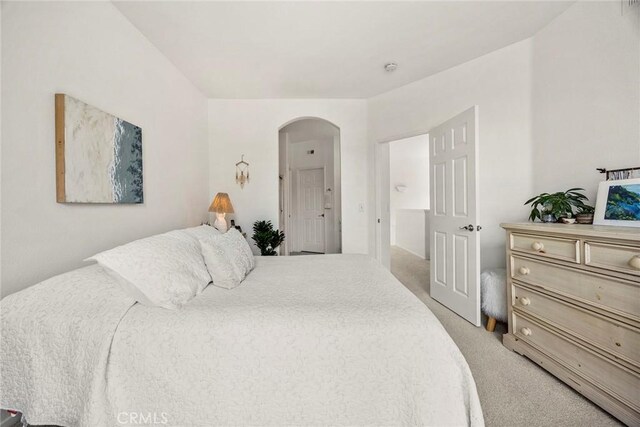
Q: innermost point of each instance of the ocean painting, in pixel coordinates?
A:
(101, 155)
(623, 203)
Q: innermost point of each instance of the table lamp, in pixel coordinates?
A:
(221, 206)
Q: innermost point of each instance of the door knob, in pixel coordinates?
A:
(469, 227)
(321, 215)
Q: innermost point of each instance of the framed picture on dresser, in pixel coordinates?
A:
(618, 203)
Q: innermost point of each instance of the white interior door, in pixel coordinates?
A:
(383, 213)
(455, 242)
(312, 210)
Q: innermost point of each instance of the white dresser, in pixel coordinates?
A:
(574, 308)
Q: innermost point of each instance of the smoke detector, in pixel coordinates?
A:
(391, 66)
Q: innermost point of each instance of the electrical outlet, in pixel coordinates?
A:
(361, 207)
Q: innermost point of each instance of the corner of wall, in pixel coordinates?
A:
(585, 96)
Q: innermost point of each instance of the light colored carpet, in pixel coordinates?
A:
(513, 390)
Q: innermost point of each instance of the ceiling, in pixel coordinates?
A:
(328, 49)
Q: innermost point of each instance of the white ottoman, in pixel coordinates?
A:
(493, 294)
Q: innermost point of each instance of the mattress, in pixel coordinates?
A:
(309, 341)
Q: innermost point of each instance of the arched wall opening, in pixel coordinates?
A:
(310, 188)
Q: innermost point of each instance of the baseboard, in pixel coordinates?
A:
(411, 252)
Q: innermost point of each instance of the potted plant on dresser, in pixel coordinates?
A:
(584, 215)
(554, 207)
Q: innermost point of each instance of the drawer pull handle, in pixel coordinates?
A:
(537, 246)
(524, 270)
(525, 331)
(525, 301)
(634, 262)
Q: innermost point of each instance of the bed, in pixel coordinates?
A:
(313, 340)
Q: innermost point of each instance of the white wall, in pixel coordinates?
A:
(90, 51)
(569, 98)
(3, 414)
(284, 192)
(408, 166)
(412, 231)
(250, 127)
(586, 96)
(500, 84)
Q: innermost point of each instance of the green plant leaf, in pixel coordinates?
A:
(267, 239)
(559, 204)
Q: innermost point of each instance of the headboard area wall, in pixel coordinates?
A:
(91, 52)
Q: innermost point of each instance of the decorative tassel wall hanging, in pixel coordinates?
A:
(242, 172)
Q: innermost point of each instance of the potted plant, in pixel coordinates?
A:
(267, 239)
(585, 214)
(552, 207)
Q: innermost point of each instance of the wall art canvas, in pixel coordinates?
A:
(618, 203)
(98, 155)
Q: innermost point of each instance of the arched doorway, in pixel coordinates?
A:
(310, 187)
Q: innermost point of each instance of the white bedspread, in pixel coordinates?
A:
(54, 344)
(322, 340)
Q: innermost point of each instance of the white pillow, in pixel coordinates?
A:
(241, 254)
(227, 256)
(221, 269)
(167, 268)
(215, 258)
(191, 239)
(202, 231)
(128, 287)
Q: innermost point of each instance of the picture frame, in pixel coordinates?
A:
(98, 155)
(618, 203)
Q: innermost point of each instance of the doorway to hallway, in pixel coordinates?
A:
(310, 187)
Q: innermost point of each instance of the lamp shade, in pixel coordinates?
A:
(221, 204)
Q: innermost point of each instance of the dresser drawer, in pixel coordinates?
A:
(550, 247)
(609, 376)
(608, 256)
(620, 340)
(607, 293)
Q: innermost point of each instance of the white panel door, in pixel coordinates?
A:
(455, 242)
(383, 211)
(312, 210)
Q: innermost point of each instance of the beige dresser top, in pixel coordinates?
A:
(584, 230)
